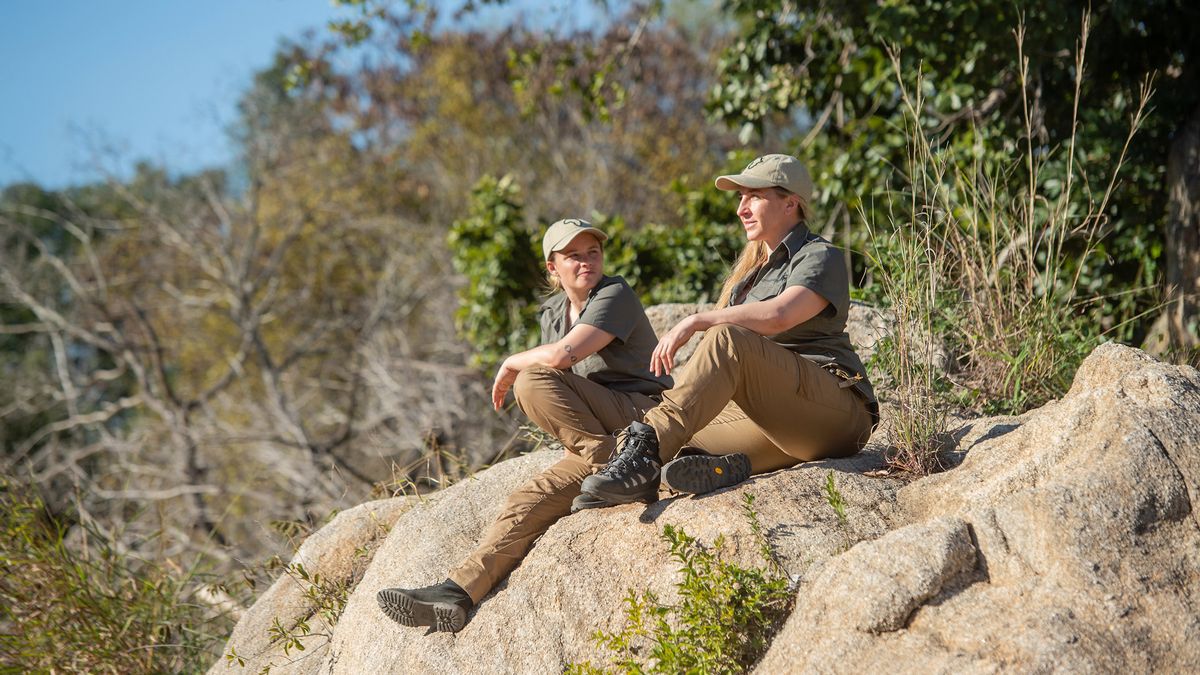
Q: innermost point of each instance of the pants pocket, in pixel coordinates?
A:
(818, 386)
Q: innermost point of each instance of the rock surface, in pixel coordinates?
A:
(1080, 521)
(337, 551)
(1066, 540)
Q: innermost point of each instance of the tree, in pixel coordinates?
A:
(828, 65)
(211, 352)
(598, 120)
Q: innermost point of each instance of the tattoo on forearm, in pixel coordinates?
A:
(569, 350)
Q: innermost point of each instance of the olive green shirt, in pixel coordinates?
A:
(624, 363)
(805, 259)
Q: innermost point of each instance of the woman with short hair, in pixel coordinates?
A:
(588, 379)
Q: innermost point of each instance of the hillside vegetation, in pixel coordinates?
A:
(202, 369)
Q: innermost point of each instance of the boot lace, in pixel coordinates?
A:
(632, 445)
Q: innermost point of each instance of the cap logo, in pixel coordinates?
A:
(755, 163)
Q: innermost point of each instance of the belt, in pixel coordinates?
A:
(848, 381)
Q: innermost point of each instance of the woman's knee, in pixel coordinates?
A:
(727, 337)
(536, 380)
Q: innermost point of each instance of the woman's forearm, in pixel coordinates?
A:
(552, 355)
(579, 343)
(792, 307)
(756, 316)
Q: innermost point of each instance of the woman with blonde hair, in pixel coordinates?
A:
(775, 381)
(588, 379)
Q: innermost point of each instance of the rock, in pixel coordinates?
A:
(338, 551)
(1087, 545)
(1065, 540)
(575, 578)
(873, 588)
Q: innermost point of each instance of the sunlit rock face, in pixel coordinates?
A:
(1064, 540)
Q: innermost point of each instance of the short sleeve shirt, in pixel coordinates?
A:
(624, 363)
(805, 259)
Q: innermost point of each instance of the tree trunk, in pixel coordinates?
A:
(1182, 240)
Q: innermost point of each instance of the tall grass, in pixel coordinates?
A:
(978, 256)
(87, 606)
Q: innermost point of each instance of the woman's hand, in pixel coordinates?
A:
(505, 377)
(663, 358)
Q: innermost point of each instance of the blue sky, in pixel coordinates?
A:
(124, 80)
(154, 79)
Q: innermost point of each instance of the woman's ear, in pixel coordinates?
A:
(550, 268)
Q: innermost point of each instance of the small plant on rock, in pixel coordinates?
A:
(838, 503)
(325, 599)
(722, 623)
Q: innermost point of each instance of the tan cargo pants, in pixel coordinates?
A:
(582, 415)
(741, 392)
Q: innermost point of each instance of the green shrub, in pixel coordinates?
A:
(325, 598)
(89, 607)
(500, 258)
(684, 262)
(723, 622)
(499, 254)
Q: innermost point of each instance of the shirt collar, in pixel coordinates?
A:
(559, 305)
(795, 239)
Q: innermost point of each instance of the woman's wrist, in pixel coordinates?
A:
(700, 321)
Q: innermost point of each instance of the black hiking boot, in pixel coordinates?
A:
(698, 474)
(632, 475)
(442, 607)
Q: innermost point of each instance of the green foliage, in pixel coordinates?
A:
(723, 622)
(828, 67)
(326, 600)
(836, 502)
(663, 263)
(834, 498)
(989, 258)
(499, 256)
(85, 606)
(685, 262)
(324, 597)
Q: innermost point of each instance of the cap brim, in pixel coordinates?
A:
(737, 181)
(562, 243)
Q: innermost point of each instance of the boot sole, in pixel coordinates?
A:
(408, 611)
(698, 474)
(589, 502)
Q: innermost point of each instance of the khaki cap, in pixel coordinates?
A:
(564, 232)
(767, 171)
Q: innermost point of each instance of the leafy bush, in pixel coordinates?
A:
(326, 599)
(88, 607)
(499, 256)
(723, 623)
(685, 262)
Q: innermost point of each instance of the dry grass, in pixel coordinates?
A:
(979, 257)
